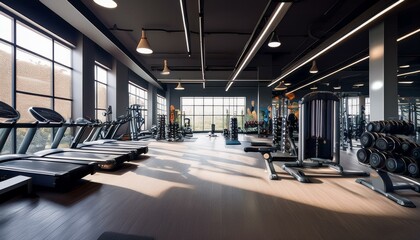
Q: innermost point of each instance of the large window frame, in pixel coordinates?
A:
(161, 105)
(101, 91)
(205, 111)
(138, 95)
(38, 69)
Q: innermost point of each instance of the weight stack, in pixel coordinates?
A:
(319, 127)
(233, 129)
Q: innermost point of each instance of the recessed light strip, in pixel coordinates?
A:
(202, 52)
(405, 82)
(229, 85)
(337, 41)
(408, 35)
(332, 73)
(267, 29)
(186, 26)
(408, 73)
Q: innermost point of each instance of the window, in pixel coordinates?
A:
(161, 105)
(204, 111)
(353, 105)
(138, 95)
(41, 78)
(367, 108)
(101, 92)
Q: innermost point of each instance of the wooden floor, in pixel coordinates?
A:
(205, 190)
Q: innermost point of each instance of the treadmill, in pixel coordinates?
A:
(47, 116)
(94, 143)
(41, 171)
(95, 137)
(50, 119)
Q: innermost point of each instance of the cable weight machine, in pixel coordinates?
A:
(319, 136)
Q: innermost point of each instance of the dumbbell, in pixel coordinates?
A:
(363, 154)
(377, 159)
(413, 168)
(398, 164)
(368, 139)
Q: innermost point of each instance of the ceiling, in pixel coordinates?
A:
(230, 24)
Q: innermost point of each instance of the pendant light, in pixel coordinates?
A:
(314, 68)
(179, 86)
(144, 46)
(274, 40)
(166, 70)
(280, 87)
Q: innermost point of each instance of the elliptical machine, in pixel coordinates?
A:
(319, 136)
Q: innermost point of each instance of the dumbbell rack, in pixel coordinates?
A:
(160, 133)
(381, 180)
(173, 133)
(233, 131)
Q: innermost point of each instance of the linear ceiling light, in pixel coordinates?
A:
(106, 3)
(408, 35)
(408, 73)
(336, 71)
(337, 41)
(404, 66)
(201, 29)
(144, 46)
(278, 14)
(183, 6)
(405, 82)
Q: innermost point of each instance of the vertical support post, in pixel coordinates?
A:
(383, 89)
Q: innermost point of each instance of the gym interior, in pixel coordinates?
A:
(197, 119)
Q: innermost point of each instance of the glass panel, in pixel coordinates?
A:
(66, 141)
(240, 110)
(226, 101)
(198, 101)
(241, 101)
(218, 122)
(5, 72)
(208, 120)
(187, 101)
(99, 115)
(101, 74)
(63, 107)
(208, 110)
(198, 123)
(62, 54)
(6, 27)
(25, 101)
(208, 101)
(41, 140)
(188, 110)
(198, 110)
(218, 101)
(62, 78)
(226, 111)
(33, 74)
(132, 99)
(7, 149)
(102, 102)
(218, 110)
(33, 40)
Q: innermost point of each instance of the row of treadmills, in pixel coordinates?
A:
(60, 167)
